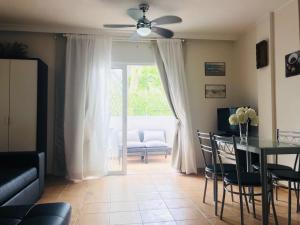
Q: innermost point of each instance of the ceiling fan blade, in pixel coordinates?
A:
(163, 32)
(166, 20)
(135, 14)
(118, 25)
(134, 37)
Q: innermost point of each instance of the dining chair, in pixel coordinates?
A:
(226, 150)
(212, 169)
(293, 175)
(281, 136)
(290, 137)
(289, 176)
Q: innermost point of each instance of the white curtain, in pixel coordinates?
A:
(86, 106)
(169, 59)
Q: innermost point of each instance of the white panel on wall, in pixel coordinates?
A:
(124, 52)
(4, 104)
(23, 105)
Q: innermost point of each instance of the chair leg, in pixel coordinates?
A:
(241, 205)
(273, 208)
(270, 198)
(223, 202)
(295, 189)
(246, 200)
(296, 193)
(298, 197)
(289, 205)
(253, 203)
(216, 193)
(231, 189)
(276, 191)
(205, 187)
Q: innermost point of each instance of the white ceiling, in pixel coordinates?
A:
(199, 16)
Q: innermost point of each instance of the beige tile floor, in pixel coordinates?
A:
(151, 194)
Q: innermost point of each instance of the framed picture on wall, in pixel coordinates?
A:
(292, 64)
(215, 69)
(215, 91)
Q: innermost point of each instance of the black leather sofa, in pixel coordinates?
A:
(21, 177)
(44, 214)
(21, 185)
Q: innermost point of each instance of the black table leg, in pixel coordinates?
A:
(264, 182)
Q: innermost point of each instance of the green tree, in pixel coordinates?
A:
(145, 92)
(146, 96)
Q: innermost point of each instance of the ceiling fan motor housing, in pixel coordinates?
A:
(143, 23)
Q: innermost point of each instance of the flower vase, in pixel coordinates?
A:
(243, 132)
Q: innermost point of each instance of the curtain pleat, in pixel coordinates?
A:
(169, 59)
(86, 106)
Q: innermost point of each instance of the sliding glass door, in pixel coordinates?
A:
(138, 103)
(118, 122)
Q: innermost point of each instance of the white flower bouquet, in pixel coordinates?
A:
(242, 117)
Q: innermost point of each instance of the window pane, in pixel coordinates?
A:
(146, 96)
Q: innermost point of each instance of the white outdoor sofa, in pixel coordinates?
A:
(147, 142)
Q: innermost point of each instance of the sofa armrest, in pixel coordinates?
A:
(25, 159)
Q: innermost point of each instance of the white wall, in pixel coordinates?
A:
(266, 80)
(45, 47)
(204, 111)
(245, 68)
(287, 89)
(276, 95)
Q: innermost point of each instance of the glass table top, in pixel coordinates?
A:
(265, 143)
(256, 145)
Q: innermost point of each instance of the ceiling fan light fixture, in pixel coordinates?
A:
(143, 31)
(144, 26)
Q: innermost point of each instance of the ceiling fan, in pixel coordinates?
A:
(144, 26)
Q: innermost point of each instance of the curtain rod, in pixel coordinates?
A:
(126, 39)
(140, 40)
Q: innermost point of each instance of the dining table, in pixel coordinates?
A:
(265, 148)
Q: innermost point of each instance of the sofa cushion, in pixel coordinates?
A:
(135, 144)
(154, 135)
(155, 144)
(14, 180)
(43, 214)
(133, 135)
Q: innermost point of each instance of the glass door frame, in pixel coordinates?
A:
(123, 68)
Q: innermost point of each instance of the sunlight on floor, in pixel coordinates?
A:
(152, 194)
(157, 164)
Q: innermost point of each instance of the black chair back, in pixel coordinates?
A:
(206, 145)
(289, 137)
(227, 152)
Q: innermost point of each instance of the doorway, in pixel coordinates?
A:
(142, 124)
